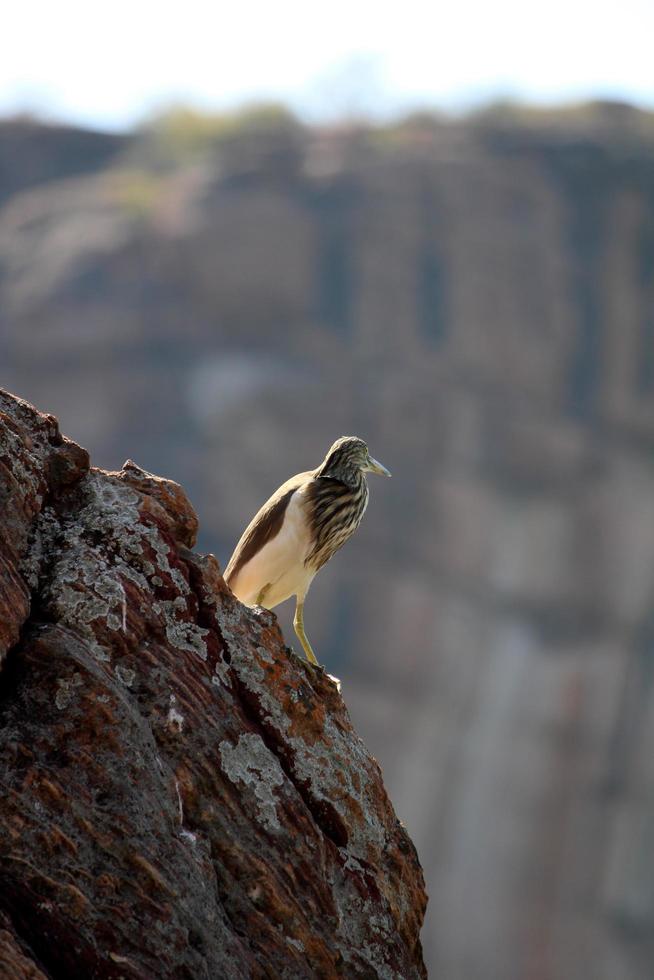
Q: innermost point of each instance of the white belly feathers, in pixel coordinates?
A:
(278, 570)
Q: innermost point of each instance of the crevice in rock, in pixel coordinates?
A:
(12, 672)
(323, 813)
(9, 668)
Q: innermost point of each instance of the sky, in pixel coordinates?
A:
(112, 65)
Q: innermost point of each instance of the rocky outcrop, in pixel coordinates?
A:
(181, 796)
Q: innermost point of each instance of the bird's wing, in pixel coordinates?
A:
(264, 526)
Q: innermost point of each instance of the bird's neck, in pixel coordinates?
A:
(351, 476)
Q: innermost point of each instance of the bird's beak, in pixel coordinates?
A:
(375, 467)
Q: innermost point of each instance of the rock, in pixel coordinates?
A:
(182, 795)
(14, 964)
(31, 152)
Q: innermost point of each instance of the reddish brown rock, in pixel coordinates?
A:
(182, 796)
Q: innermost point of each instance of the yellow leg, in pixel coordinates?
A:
(298, 626)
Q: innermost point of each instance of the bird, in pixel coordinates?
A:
(299, 528)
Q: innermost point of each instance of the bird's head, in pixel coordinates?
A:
(348, 457)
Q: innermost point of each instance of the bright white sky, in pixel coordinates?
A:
(110, 64)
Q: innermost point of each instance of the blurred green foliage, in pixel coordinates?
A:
(182, 134)
(137, 192)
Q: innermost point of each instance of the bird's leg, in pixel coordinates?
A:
(298, 626)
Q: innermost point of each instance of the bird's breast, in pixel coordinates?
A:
(337, 511)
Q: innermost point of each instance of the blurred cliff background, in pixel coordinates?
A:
(219, 294)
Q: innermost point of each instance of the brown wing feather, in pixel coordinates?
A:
(264, 526)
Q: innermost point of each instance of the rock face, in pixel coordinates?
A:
(181, 795)
(32, 152)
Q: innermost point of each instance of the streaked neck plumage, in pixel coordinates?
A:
(340, 467)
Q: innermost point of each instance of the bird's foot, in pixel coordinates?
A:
(320, 668)
(336, 681)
